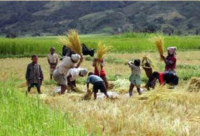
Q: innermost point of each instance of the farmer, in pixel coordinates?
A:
(73, 74)
(147, 66)
(34, 75)
(166, 78)
(98, 84)
(170, 60)
(135, 76)
(62, 69)
(100, 73)
(52, 60)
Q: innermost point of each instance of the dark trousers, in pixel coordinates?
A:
(37, 85)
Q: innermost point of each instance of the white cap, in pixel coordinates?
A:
(84, 72)
(75, 57)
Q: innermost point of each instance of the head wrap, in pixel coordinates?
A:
(171, 50)
(75, 57)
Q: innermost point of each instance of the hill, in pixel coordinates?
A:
(44, 17)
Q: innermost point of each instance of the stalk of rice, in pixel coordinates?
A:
(159, 43)
(72, 41)
(148, 60)
(102, 49)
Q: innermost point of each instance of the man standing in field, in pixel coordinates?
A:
(52, 60)
(34, 75)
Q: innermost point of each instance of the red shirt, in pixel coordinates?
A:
(171, 63)
(102, 72)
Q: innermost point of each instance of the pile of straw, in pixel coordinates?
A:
(159, 43)
(102, 50)
(72, 41)
(194, 85)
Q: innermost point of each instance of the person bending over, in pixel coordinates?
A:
(98, 84)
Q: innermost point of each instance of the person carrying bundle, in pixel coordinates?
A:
(52, 60)
(73, 74)
(98, 62)
(62, 69)
(98, 84)
(100, 73)
(170, 60)
(147, 66)
(166, 78)
(135, 76)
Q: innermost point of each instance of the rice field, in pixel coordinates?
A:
(159, 112)
(130, 42)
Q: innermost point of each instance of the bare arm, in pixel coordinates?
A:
(79, 63)
(27, 73)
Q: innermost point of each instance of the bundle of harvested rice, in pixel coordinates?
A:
(88, 95)
(159, 43)
(102, 49)
(194, 85)
(72, 41)
(111, 85)
(147, 62)
(77, 90)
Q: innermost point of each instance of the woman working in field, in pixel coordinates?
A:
(62, 69)
(170, 60)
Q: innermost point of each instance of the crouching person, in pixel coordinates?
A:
(73, 74)
(34, 75)
(166, 78)
(61, 71)
(98, 84)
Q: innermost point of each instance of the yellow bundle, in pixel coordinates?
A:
(147, 60)
(72, 41)
(88, 95)
(102, 49)
(159, 43)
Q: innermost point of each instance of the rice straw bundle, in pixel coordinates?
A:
(88, 95)
(102, 49)
(159, 43)
(148, 60)
(72, 41)
(194, 85)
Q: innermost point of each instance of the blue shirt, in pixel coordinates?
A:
(93, 79)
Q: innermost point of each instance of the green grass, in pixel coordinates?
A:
(129, 42)
(25, 116)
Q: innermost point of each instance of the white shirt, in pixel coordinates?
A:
(65, 65)
(74, 72)
(52, 57)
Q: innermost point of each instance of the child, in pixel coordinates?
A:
(147, 66)
(52, 60)
(100, 73)
(170, 60)
(73, 74)
(34, 75)
(166, 78)
(62, 69)
(98, 84)
(135, 76)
